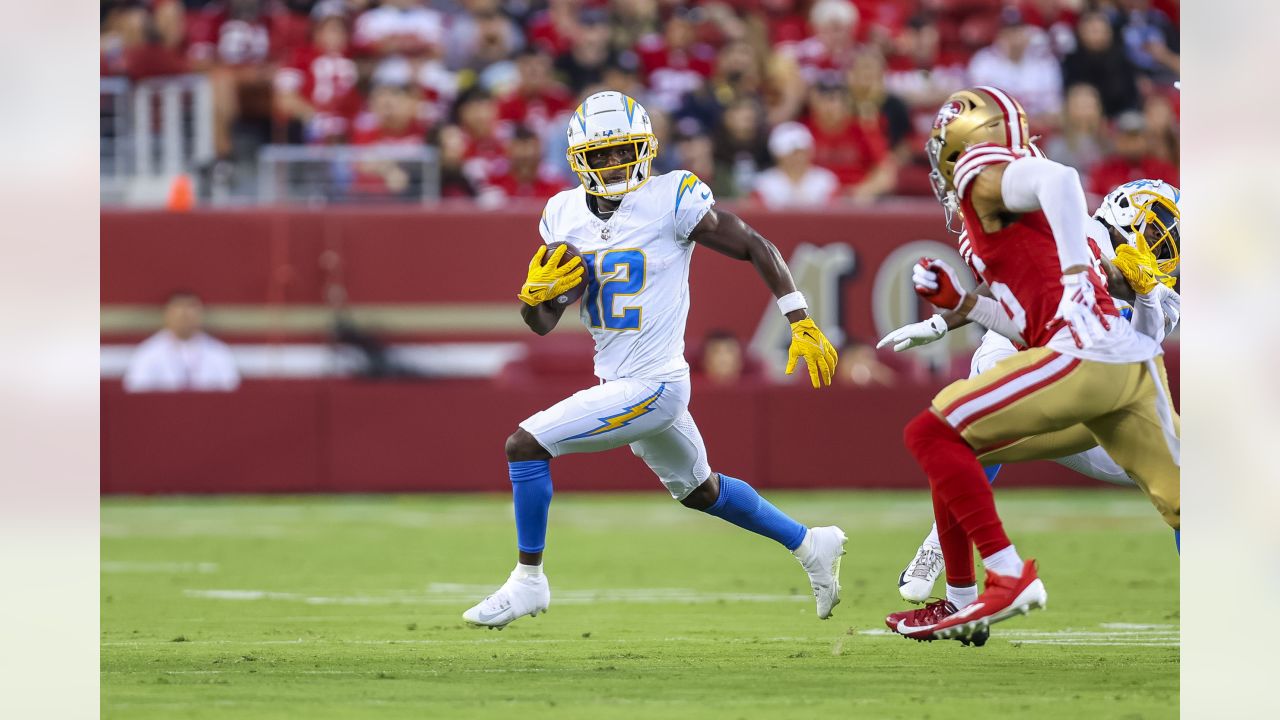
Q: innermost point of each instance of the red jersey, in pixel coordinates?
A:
(541, 186)
(851, 151)
(1020, 261)
(536, 111)
(328, 83)
(672, 72)
(215, 35)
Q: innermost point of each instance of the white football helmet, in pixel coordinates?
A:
(1146, 211)
(608, 119)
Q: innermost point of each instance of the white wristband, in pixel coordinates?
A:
(791, 302)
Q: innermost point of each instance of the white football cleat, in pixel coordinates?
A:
(823, 566)
(915, 584)
(518, 596)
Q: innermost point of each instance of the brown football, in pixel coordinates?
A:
(575, 293)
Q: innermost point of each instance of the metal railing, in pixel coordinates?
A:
(325, 174)
(150, 132)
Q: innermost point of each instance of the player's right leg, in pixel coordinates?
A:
(916, 581)
(599, 418)
(1034, 392)
(678, 457)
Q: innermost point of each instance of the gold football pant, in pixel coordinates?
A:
(1037, 402)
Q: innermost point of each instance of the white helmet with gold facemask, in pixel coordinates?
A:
(606, 120)
(1145, 212)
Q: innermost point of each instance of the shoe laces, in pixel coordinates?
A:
(927, 562)
(936, 610)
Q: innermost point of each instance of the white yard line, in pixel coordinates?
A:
(123, 566)
(1149, 636)
(453, 596)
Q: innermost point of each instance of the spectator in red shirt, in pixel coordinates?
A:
(922, 74)
(675, 62)
(872, 102)
(851, 148)
(237, 42)
(124, 29)
(316, 91)
(523, 177)
(141, 44)
(537, 100)
(1132, 158)
(392, 119)
(483, 139)
(554, 29)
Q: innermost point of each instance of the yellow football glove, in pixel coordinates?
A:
(1140, 267)
(808, 342)
(550, 280)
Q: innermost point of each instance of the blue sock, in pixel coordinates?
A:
(741, 505)
(1177, 540)
(992, 472)
(531, 489)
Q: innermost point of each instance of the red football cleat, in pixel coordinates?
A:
(918, 624)
(1002, 598)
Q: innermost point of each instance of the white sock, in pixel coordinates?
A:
(961, 596)
(933, 536)
(527, 570)
(1005, 562)
(806, 547)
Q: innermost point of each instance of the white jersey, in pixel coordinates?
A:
(637, 297)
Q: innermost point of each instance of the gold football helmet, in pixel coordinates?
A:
(968, 117)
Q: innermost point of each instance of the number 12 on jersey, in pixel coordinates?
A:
(618, 273)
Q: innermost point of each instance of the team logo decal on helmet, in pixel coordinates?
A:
(947, 113)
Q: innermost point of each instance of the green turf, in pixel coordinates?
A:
(348, 607)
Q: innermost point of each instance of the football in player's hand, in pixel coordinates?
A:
(574, 293)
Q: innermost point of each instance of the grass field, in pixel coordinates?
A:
(348, 607)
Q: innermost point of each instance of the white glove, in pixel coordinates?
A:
(915, 334)
(1079, 309)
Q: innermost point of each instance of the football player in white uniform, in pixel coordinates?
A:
(1136, 231)
(636, 234)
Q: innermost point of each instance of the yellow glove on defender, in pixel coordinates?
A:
(808, 342)
(1140, 267)
(552, 279)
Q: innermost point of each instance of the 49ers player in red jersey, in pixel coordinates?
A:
(1025, 219)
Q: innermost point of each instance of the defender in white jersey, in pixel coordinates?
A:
(636, 234)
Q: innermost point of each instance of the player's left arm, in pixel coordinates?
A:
(728, 235)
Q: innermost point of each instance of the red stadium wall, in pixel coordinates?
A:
(446, 435)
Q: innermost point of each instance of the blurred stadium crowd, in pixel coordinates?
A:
(789, 102)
